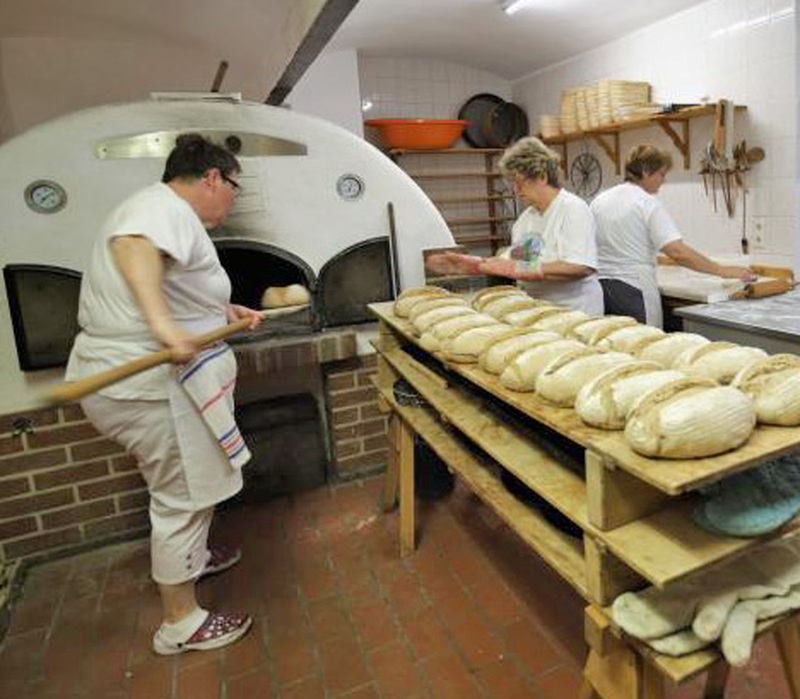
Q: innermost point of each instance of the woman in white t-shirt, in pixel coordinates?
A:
(553, 253)
(154, 280)
(632, 228)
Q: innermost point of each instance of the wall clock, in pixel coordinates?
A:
(586, 176)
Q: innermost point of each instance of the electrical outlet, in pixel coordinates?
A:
(758, 238)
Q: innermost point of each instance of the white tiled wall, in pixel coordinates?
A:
(409, 87)
(740, 49)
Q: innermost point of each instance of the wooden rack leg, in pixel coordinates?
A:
(787, 637)
(391, 477)
(716, 679)
(407, 526)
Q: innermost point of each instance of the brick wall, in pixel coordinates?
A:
(358, 429)
(62, 484)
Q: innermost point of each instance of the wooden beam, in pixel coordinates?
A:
(611, 149)
(681, 142)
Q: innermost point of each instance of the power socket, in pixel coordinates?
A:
(758, 238)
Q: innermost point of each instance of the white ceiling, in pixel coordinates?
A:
(479, 34)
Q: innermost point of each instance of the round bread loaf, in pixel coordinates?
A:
(773, 384)
(689, 419)
(606, 400)
(282, 296)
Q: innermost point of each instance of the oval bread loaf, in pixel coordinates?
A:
(498, 355)
(594, 330)
(773, 384)
(527, 316)
(690, 419)
(504, 288)
(720, 361)
(606, 400)
(521, 373)
(282, 296)
(561, 323)
(411, 296)
(480, 302)
(665, 350)
(428, 304)
(429, 318)
(452, 326)
(624, 339)
(560, 381)
(465, 347)
(498, 307)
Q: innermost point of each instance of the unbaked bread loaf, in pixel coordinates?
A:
(282, 296)
(606, 400)
(465, 347)
(426, 320)
(561, 323)
(521, 372)
(490, 290)
(594, 330)
(480, 302)
(498, 355)
(624, 339)
(499, 307)
(665, 350)
(428, 304)
(720, 361)
(431, 340)
(411, 296)
(689, 419)
(560, 381)
(773, 384)
(528, 316)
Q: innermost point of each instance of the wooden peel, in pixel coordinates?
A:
(69, 391)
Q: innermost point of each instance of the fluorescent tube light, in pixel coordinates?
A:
(512, 6)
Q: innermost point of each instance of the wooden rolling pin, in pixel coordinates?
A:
(69, 391)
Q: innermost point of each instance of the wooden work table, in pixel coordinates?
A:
(635, 518)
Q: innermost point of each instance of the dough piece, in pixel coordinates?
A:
(429, 318)
(406, 298)
(607, 399)
(438, 333)
(526, 317)
(594, 330)
(521, 373)
(665, 350)
(281, 296)
(498, 355)
(773, 384)
(481, 302)
(688, 419)
(624, 339)
(465, 347)
(428, 304)
(560, 381)
(561, 323)
(490, 290)
(720, 361)
(499, 307)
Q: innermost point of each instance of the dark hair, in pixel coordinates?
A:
(645, 160)
(194, 155)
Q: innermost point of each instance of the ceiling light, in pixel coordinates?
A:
(512, 6)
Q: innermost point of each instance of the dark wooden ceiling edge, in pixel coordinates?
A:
(322, 29)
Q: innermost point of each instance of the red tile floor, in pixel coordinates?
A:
(472, 614)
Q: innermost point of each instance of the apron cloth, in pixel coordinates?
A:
(641, 283)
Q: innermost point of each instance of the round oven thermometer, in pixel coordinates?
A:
(45, 196)
(350, 187)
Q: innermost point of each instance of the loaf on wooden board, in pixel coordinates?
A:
(595, 329)
(624, 339)
(665, 350)
(720, 361)
(409, 297)
(498, 355)
(465, 347)
(561, 323)
(773, 384)
(521, 373)
(528, 316)
(560, 381)
(429, 318)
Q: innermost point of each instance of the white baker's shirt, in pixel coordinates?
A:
(195, 285)
(567, 233)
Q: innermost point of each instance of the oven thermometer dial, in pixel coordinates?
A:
(350, 187)
(45, 196)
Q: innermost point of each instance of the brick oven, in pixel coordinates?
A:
(314, 210)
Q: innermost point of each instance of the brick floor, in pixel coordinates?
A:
(471, 615)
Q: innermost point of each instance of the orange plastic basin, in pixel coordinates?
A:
(418, 134)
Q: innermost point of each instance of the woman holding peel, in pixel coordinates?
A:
(553, 252)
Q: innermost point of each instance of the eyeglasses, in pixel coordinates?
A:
(235, 186)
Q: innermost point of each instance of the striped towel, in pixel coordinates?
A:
(209, 380)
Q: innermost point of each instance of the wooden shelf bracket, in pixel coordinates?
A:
(681, 141)
(611, 148)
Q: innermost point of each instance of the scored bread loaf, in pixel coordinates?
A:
(426, 320)
(428, 304)
(606, 400)
(465, 347)
(624, 339)
(689, 418)
(489, 290)
(431, 339)
(595, 329)
(560, 381)
(498, 355)
(720, 361)
(561, 323)
(409, 297)
(498, 307)
(521, 372)
(527, 316)
(773, 384)
(282, 296)
(665, 350)
(480, 302)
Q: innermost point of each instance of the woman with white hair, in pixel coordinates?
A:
(553, 252)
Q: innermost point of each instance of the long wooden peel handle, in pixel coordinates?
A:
(75, 390)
